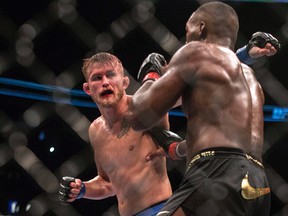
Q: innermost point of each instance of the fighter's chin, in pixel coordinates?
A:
(106, 103)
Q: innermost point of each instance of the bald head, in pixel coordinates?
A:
(215, 22)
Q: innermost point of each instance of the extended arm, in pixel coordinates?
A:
(261, 44)
(154, 99)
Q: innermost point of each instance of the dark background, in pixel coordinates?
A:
(44, 43)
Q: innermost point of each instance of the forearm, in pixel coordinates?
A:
(150, 71)
(261, 44)
(140, 114)
(98, 188)
(243, 55)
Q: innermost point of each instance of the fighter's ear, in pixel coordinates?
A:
(86, 88)
(126, 82)
(202, 30)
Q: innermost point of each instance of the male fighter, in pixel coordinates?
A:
(122, 156)
(261, 44)
(70, 187)
(223, 104)
(168, 140)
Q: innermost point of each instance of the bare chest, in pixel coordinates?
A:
(117, 152)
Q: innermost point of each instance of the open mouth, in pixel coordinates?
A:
(106, 92)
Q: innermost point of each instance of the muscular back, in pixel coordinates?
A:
(223, 103)
(217, 101)
(257, 97)
(215, 97)
(220, 97)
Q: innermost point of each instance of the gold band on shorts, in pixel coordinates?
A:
(221, 153)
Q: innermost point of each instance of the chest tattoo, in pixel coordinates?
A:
(125, 126)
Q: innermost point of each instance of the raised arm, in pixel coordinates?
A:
(154, 99)
(261, 44)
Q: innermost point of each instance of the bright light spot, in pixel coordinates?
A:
(52, 149)
(28, 206)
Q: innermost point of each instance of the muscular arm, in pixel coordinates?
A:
(154, 99)
(251, 56)
(98, 188)
(71, 189)
(144, 114)
(261, 44)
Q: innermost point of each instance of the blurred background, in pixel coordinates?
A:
(45, 115)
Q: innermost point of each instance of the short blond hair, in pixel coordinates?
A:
(102, 58)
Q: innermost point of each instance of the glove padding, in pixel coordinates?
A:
(260, 39)
(64, 189)
(151, 67)
(167, 140)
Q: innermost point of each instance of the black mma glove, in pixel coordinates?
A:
(260, 39)
(64, 190)
(151, 68)
(168, 141)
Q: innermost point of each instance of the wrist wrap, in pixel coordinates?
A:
(82, 191)
(243, 55)
(151, 76)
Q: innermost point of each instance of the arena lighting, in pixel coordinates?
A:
(13, 207)
(35, 86)
(34, 91)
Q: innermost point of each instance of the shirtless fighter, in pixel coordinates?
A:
(223, 104)
(122, 155)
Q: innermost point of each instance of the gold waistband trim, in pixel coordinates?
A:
(254, 160)
(218, 153)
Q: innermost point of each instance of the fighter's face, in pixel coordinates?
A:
(106, 84)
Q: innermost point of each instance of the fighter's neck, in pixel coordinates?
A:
(115, 114)
(225, 42)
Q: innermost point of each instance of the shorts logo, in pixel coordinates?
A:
(248, 192)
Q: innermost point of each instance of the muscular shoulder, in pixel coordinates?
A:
(252, 82)
(247, 69)
(98, 122)
(189, 53)
(186, 60)
(248, 73)
(206, 58)
(95, 127)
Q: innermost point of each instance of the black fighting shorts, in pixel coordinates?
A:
(222, 182)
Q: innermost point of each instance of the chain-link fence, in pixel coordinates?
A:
(45, 115)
